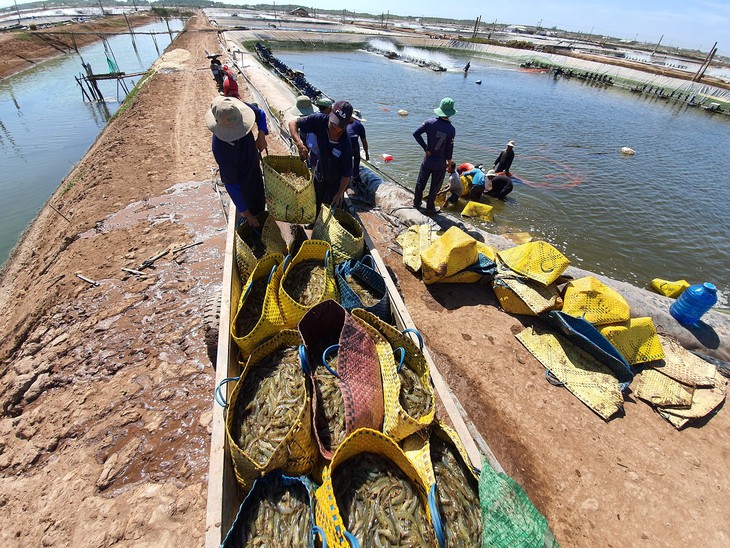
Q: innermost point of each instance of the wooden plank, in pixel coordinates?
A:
(470, 436)
(222, 488)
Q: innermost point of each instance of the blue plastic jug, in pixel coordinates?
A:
(693, 303)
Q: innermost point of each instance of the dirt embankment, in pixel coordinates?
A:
(105, 391)
(20, 50)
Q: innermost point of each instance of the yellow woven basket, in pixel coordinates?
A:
(537, 260)
(397, 423)
(284, 199)
(522, 296)
(364, 440)
(594, 301)
(271, 320)
(342, 231)
(293, 310)
(297, 452)
(271, 238)
(636, 340)
(453, 252)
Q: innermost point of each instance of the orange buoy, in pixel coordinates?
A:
(387, 157)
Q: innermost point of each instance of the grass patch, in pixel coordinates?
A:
(131, 97)
(72, 182)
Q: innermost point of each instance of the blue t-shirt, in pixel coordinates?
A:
(355, 130)
(335, 159)
(439, 142)
(477, 176)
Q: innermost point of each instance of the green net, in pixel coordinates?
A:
(509, 519)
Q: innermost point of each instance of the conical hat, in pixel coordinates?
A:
(596, 302)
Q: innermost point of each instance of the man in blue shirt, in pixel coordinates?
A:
(356, 131)
(334, 166)
(238, 154)
(439, 147)
(477, 182)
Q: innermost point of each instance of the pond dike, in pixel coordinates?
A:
(712, 339)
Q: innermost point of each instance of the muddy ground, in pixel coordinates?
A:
(106, 391)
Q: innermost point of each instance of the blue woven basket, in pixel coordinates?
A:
(366, 274)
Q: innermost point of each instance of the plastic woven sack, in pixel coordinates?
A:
(342, 231)
(365, 440)
(596, 302)
(413, 241)
(683, 366)
(357, 372)
(316, 250)
(270, 321)
(584, 335)
(455, 251)
(662, 391)
(587, 379)
(669, 289)
(537, 260)
(286, 200)
(509, 518)
(523, 296)
(238, 536)
(364, 272)
(478, 210)
(297, 452)
(261, 241)
(637, 340)
(398, 424)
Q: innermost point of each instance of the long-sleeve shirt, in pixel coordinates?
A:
(439, 142)
(477, 176)
(504, 160)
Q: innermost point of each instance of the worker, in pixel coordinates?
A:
(303, 107)
(355, 131)
(324, 105)
(438, 148)
(501, 185)
(455, 188)
(334, 167)
(217, 70)
(504, 161)
(477, 182)
(237, 153)
(230, 86)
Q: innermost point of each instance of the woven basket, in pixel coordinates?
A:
(297, 452)
(523, 296)
(450, 254)
(367, 275)
(342, 231)
(293, 310)
(537, 260)
(357, 365)
(364, 440)
(637, 340)
(284, 200)
(399, 424)
(596, 302)
(271, 238)
(271, 320)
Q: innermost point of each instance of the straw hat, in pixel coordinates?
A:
(491, 173)
(229, 118)
(511, 144)
(357, 115)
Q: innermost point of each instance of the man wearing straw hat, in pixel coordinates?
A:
(237, 153)
(504, 160)
(439, 147)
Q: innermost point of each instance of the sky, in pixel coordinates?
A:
(694, 24)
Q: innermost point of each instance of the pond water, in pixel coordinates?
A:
(45, 125)
(663, 212)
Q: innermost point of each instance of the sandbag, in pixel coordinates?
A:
(287, 199)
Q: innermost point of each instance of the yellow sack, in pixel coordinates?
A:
(594, 301)
(297, 451)
(669, 289)
(465, 184)
(342, 231)
(537, 260)
(398, 424)
(253, 243)
(478, 210)
(451, 253)
(288, 197)
(636, 340)
(364, 440)
(311, 250)
(413, 241)
(524, 296)
(270, 320)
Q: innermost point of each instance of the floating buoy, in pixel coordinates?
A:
(387, 158)
(402, 112)
(628, 151)
(478, 82)
(465, 167)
